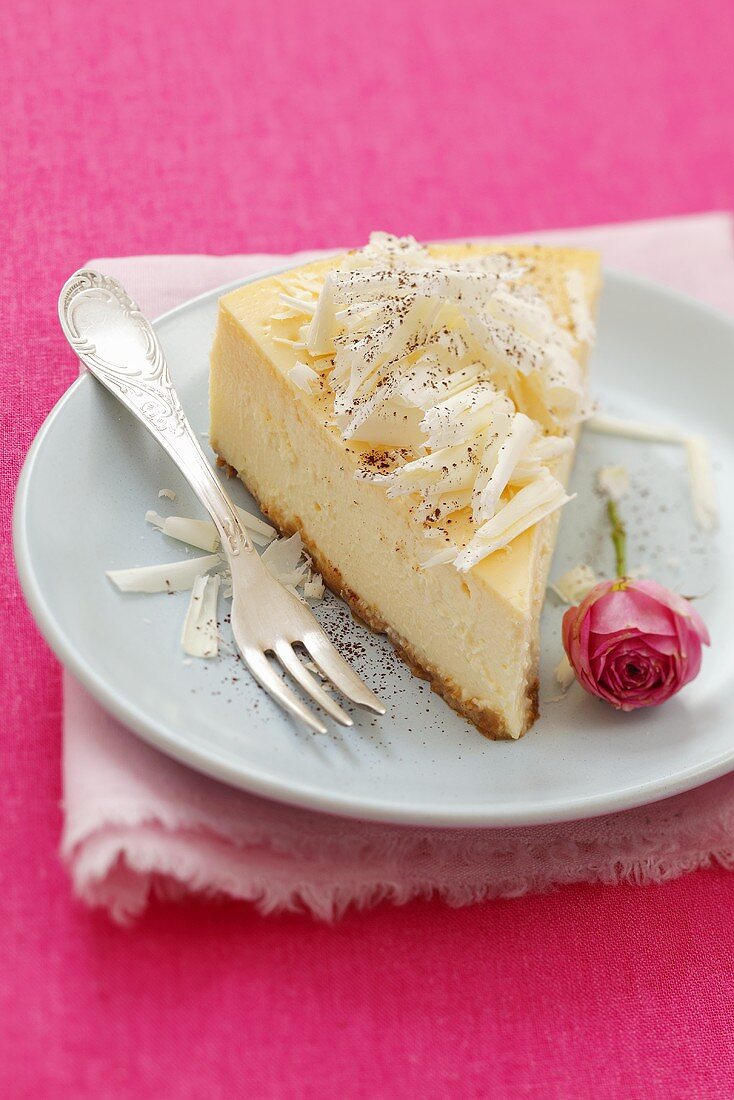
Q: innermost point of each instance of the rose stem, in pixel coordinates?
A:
(619, 538)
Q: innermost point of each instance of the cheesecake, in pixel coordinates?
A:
(412, 411)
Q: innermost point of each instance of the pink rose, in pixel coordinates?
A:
(634, 643)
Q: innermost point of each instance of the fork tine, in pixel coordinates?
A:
(292, 664)
(260, 668)
(333, 665)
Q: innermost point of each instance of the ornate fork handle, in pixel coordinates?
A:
(119, 347)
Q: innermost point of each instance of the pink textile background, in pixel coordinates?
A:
(242, 126)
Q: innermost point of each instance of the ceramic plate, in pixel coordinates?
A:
(93, 471)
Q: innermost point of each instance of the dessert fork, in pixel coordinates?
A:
(119, 347)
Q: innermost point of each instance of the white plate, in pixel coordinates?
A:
(93, 471)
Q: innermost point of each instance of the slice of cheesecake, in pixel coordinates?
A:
(413, 413)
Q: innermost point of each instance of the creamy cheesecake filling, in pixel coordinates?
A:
(366, 546)
(473, 633)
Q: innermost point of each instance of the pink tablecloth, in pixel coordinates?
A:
(155, 127)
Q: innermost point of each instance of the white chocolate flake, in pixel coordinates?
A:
(199, 634)
(703, 490)
(176, 576)
(630, 429)
(313, 588)
(282, 557)
(303, 376)
(529, 506)
(575, 584)
(564, 673)
(510, 452)
(259, 531)
(200, 533)
(298, 306)
(613, 481)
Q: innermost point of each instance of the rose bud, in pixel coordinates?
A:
(633, 642)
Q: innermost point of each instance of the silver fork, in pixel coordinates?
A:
(120, 348)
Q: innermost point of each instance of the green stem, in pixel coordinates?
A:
(619, 538)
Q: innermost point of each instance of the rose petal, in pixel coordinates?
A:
(689, 640)
(654, 645)
(678, 604)
(692, 664)
(597, 593)
(663, 644)
(626, 608)
(602, 643)
(576, 646)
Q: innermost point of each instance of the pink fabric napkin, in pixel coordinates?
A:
(138, 824)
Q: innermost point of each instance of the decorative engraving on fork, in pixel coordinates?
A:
(119, 346)
(232, 539)
(142, 376)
